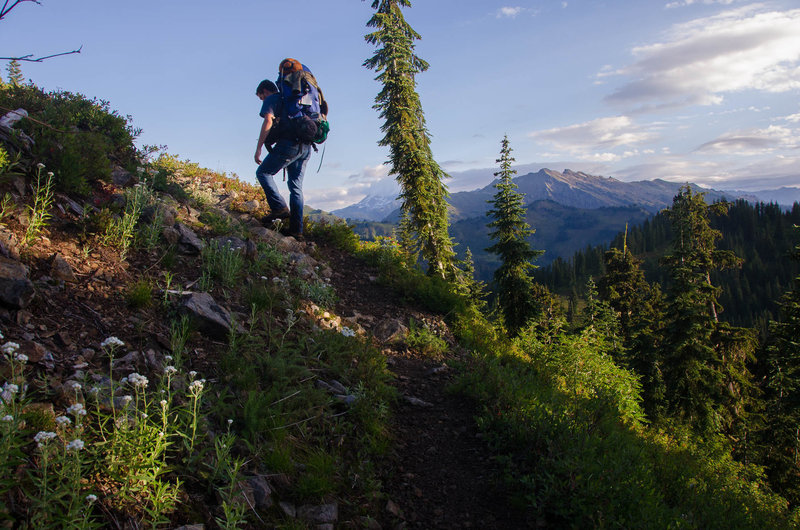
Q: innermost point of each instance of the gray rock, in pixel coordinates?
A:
(188, 242)
(16, 290)
(411, 400)
(391, 330)
(123, 178)
(167, 214)
(262, 493)
(288, 508)
(76, 208)
(234, 243)
(210, 318)
(324, 513)
(9, 244)
(171, 235)
(250, 206)
(61, 269)
(18, 181)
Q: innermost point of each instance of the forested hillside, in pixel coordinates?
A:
(760, 234)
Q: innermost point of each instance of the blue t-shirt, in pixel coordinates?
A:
(271, 105)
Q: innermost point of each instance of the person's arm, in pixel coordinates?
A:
(262, 135)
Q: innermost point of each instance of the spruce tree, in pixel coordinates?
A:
(705, 376)
(637, 304)
(423, 193)
(513, 282)
(782, 411)
(15, 77)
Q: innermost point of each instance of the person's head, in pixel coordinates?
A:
(265, 88)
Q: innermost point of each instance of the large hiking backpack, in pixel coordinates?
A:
(304, 109)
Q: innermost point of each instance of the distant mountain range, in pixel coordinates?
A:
(568, 210)
(570, 188)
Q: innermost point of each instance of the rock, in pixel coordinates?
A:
(16, 290)
(61, 269)
(288, 508)
(188, 242)
(250, 206)
(262, 493)
(123, 178)
(393, 509)
(234, 243)
(411, 400)
(167, 214)
(210, 318)
(35, 351)
(9, 244)
(171, 235)
(391, 330)
(76, 208)
(18, 181)
(324, 513)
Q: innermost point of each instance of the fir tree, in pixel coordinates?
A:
(15, 77)
(703, 362)
(423, 193)
(637, 304)
(514, 285)
(468, 285)
(782, 433)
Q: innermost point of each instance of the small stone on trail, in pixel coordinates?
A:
(411, 400)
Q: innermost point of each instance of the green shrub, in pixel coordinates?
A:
(140, 293)
(423, 340)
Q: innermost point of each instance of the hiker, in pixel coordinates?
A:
(288, 153)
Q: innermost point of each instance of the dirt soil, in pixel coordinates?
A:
(441, 474)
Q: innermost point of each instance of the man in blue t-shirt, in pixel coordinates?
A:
(286, 153)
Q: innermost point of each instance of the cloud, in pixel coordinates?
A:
(700, 61)
(684, 3)
(371, 180)
(512, 12)
(594, 140)
(753, 142)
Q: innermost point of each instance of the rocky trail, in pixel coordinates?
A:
(440, 474)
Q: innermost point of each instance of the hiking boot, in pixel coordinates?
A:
(267, 220)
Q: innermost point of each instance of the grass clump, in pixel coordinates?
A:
(423, 340)
(140, 294)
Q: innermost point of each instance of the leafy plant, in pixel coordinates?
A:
(423, 340)
(140, 294)
(40, 209)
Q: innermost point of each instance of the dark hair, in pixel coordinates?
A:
(266, 84)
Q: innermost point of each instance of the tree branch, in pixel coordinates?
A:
(6, 9)
(31, 59)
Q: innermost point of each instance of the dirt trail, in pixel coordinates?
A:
(440, 475)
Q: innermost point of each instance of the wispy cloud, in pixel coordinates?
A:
(595, 140)
(683, 3)
(513, 11)
(371, 180)
(753, 142)
(699, 62)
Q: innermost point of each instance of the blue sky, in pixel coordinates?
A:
(699, 90)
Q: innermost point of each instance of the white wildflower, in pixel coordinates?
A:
(125, 400)
(76, 387)
(111, 341)
(21, 357)
(2, 336)
(124, 380)
(95, 390)
(196, 386)
(163, 402)
(40, 165)
(137, 380)
(63, 421)
(75, 445)
(7, 417)
(50, 174)
(9, 348)
(168, 358)
(169, 370)
(42, 437)
(140, 170)
(276, 280)
(230, 421)
(77, 409)
(160, 434)
(10, 388)
(347, 332)
(91, 498)
(192, 374)
(144, 415)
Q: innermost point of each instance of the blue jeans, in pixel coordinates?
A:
(293, 156)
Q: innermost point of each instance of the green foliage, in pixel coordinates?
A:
(140, 294)
(512, 279)
(568, 425)
(424, 341)
(39, 211)
(423, 193)
(15, 77)
(222, 263)
(83, 139)
(121, 231)
(338, 232)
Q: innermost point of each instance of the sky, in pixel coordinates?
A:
(706, 91)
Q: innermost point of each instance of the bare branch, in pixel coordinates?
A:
(31, 59)
(6, 9)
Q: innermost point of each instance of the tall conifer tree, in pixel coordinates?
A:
(423, 193)
(515, 289)
(783, 396)
(705, 376)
